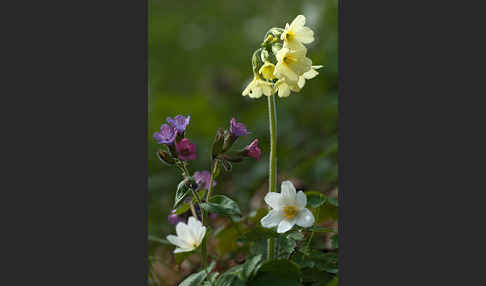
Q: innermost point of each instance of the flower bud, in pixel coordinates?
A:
(252, 150)
(186, 150)
(165, 157)
(218, 143)
(236, 130)
(256, 61)
(273, 35)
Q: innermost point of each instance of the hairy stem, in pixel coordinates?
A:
(272, 179)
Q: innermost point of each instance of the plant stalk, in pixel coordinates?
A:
(272, 178)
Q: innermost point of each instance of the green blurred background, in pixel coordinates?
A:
(199, 57)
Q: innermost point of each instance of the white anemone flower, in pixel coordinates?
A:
(291, 64)
(288, 209)
(257, 87)
(189, 236)
(297, 33)
(312, 73)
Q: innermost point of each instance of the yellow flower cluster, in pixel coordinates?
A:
(291, 67)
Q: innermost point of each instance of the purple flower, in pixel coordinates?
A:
(167, 135)
(174, 218)
(186, 150)
(179, 122)
(253, 150)
(213, 216)
(237, 129)
(202, 179)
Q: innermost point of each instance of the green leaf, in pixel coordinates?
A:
(285, 247)
(250, 267)
(280, 272)
(196, 279)
(333, 282)
(315, 199)
(321, 229)
(227, 240)
(159, 240)
(182, 192)
(184, 207)
(313, 274)
(258, 233)
(335, 241)
(225, 280)
(333, 201)
(221, 205)
(295, 235)
(327, 212)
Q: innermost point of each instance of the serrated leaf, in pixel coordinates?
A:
(285, 247)
(222, 205)
(296, 235)
(315, 199)
(249, 267)
(197, 278)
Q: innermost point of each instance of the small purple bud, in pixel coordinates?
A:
(166, 136)
(213, 216)
(202, 179)
(253, 150)
(174, 218)
(179, 122)
(186, 150)
(237, 129)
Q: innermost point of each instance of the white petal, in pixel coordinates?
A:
(299, 21)
(177, 241)
(305, 218)
(285, 225)
(183, 232)
(178, 250)
(283, 90)
(301, 200)
(301, 81)
(310, 74)
(256, 92)
(288, 192)
(202, 232)
(304, 35)
(273, 200)
(283, 70)
(273, 218)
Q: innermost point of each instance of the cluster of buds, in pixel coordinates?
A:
(172, 135)
(225, 139)
(280, 65)
(179, 150)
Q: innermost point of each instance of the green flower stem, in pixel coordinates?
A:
(204, 215)
(307, 248)
(272, 179)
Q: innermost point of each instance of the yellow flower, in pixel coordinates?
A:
(267, 70)
(312, 73)
(297, 34)
(283, 88)
(291, 64)
(257, 87)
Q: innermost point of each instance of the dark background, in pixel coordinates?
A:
(74, 197)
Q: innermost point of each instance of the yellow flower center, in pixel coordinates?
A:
(290, 212)
(288, 59)
(289, 36)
